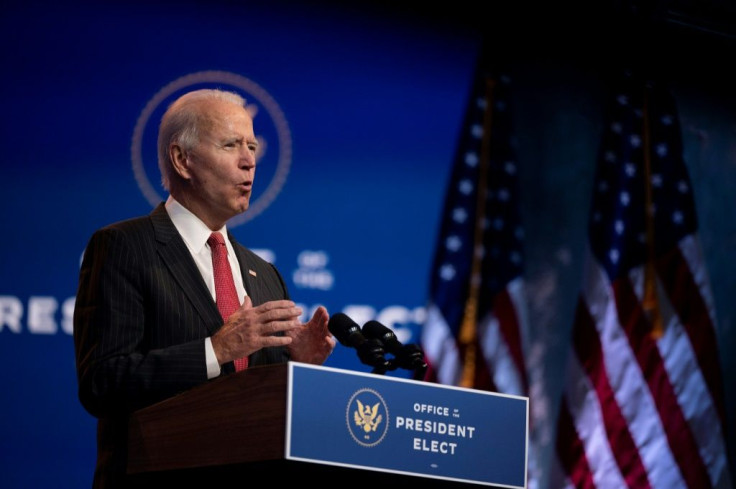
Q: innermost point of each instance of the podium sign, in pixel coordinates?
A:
(380, 423)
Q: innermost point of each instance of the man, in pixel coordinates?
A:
(146, 321)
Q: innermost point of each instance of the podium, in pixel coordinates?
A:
(329, 426)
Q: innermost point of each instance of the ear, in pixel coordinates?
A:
(179, 161)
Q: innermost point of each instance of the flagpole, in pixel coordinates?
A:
(650, 302)
(468, 336)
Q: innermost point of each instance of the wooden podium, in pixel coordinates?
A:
(233, 431)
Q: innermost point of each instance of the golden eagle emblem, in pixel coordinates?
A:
(367, 417)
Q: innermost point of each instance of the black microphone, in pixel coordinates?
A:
(370, 351)
(408, 356)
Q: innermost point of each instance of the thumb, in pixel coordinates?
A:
(247, 303)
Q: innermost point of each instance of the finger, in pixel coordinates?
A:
(285, 326)
(320, 315)
(275, 305)
(247, 303)
(280, 314)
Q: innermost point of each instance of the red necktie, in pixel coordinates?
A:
(227, 296)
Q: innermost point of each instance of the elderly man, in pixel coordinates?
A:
(171, 300)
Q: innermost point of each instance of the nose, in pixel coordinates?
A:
(247, 160)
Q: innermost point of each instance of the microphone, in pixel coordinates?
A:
(408, 356)
(370, 351)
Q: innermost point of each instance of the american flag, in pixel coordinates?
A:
(643, 405)
(474, 333)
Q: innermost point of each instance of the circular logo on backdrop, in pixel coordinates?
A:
(271, 129)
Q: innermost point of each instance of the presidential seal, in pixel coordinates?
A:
(367, 417)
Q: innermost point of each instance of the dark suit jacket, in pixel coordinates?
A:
(141, 316)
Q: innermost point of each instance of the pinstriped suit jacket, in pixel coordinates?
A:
(141, 316)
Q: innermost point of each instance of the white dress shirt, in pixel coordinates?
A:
(195, 234)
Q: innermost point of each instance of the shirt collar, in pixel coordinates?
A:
(194, 232)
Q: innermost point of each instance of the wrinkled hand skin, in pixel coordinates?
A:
(250, 328)
(312, 342)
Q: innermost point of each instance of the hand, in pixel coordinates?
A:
(312, 342)
(250, 328)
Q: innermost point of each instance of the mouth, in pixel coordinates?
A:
(245, 186)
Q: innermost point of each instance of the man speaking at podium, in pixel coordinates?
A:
(170, 300)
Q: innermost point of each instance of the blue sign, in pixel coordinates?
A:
(374, 422)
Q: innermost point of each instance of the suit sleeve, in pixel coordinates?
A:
(128, 354)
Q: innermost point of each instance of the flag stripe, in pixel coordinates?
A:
(627, 381)
(687, 298)
(681, 440)
(583, 406)
(509, 325)
(572, 452)
(589, 350)
(471, 326)
(645, 328)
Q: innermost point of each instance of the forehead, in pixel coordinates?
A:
(225, 117)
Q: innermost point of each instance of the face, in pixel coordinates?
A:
(220, 169)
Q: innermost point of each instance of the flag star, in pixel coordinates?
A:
(613, 255)
(667, 120)
(466, 187)
(616, 127)
(498, 224)
(515, 257)
(618, 226)
(510, 167)
(625, 198)
(447, 272)
(610, 156)
(623, 99)
(683, 187)
(453, 243)
(602, 186)
(481, 103)
(641, 238)
(678, 217)
(471, 159)
(630, 169)
(504, 195)
(635, 140)
(459, 215)
(519, 233)
(656, 180)
(501, 105)
(662, 150)
(476, 130)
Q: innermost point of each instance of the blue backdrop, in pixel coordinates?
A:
(360, 114)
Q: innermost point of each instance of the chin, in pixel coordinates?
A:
(243, 207)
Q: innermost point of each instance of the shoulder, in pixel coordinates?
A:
(123, 239)
(138, 227)
(132, 229)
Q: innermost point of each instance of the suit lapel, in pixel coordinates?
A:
(178, 259)
(250, 282)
